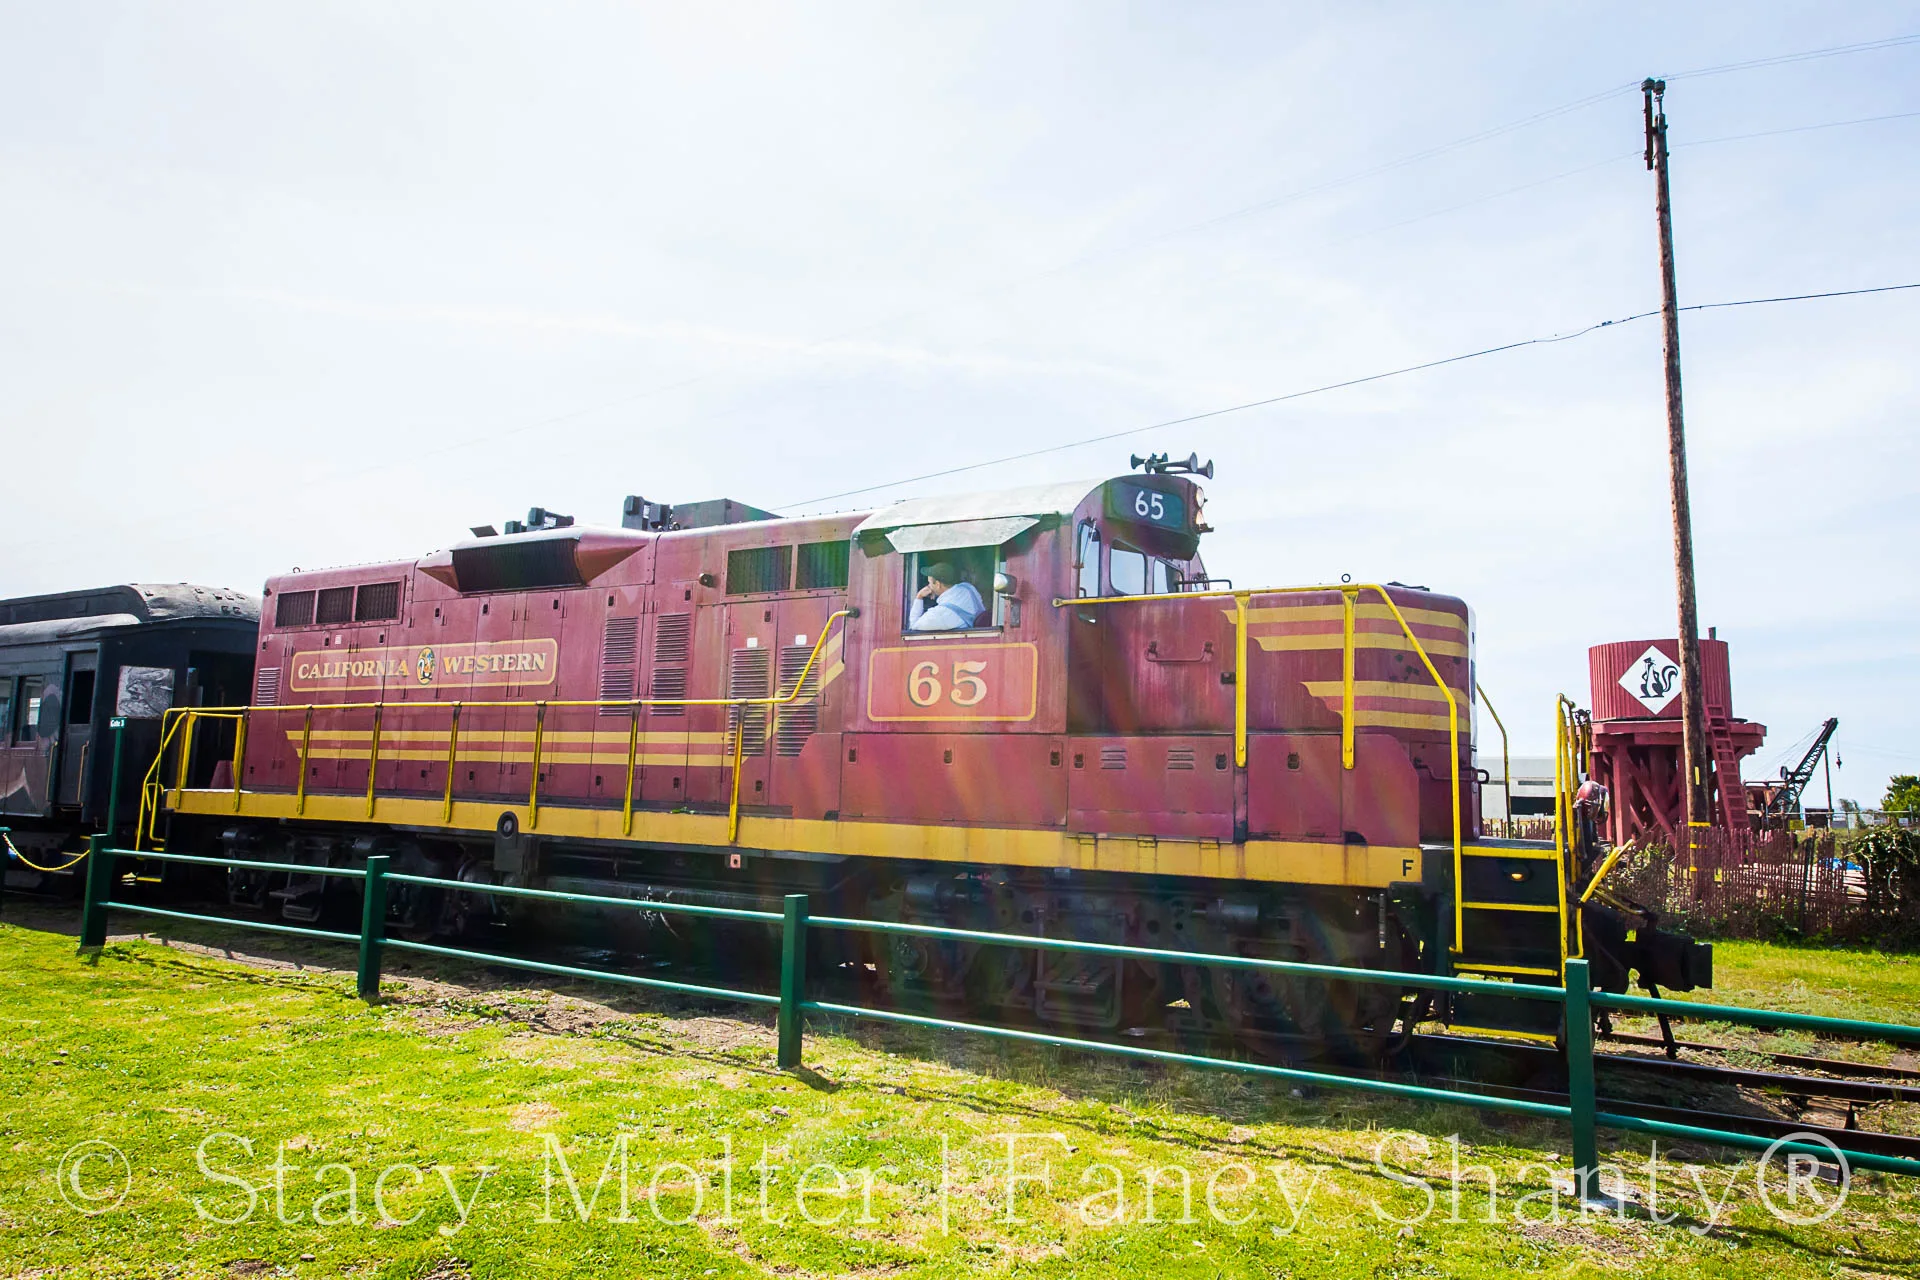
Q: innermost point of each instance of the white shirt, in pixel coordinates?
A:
(955, 610)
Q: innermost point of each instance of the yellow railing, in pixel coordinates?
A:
(180, 723)
(1350, 594)
(1506, 761)
(1569, 764)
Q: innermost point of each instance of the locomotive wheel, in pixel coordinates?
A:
(1346, 1020)
(920, 974)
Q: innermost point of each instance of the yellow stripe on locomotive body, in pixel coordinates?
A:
(1261, 861)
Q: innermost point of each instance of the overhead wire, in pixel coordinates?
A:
(1334, 386)
(1484, 135)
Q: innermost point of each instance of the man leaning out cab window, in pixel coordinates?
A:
(945, 603)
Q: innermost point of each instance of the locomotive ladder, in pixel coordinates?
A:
(1522, 929)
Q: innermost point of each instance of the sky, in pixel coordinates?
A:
(330, 283)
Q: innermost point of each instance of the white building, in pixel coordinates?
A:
(1532, 782)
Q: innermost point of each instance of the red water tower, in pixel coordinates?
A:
(1638, 738)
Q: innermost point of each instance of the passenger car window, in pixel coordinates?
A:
(32, 690)
(1087, 556)
(1127, 570)
(6, 708)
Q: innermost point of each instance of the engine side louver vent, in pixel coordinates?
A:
(1113, 757)
(801, 717)
(1179, 757)
(620, 644)
(672, 638)
(619, 649)
(747, 678)
(672, 645)
(668, 682)
(266, 686)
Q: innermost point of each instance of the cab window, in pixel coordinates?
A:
(1164, 578)
(1087, 557)
(950, 589)
(1127, 570)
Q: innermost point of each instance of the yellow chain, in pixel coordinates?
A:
(77, 858)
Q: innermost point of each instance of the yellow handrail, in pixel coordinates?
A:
(239, 754)
(306, 744)
(1506, 763)
(1240, 599)
(533, 786)
(1348, 600)
(633, 757)
(175, 717)
(1565, 771)
(373, 758)
(453, 759)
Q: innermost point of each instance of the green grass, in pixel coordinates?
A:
(1831, 982)
(155, 1048)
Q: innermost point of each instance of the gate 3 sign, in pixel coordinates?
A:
(953, 682)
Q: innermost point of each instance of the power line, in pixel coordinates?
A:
(1805, 55)
(1336, 386)
(1484, 135)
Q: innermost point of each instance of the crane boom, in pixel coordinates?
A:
(1792, 782)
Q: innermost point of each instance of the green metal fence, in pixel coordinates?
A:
(1580, 1112)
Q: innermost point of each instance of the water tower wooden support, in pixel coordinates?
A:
(1638, 738)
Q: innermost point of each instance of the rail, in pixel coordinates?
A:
(1350, 595)
(1580, 1111)
(179, 723)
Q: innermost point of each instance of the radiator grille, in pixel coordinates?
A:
(335, 605)
(755, 569)
(747, 678)
(266, 687)
(822, 564)
(801, 717)
(377, 602)
(294, 609)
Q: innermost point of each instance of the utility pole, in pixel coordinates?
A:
(1692, 701)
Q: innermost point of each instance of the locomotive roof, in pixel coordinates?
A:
(25, 619)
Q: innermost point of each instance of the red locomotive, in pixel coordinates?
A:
(1030, 710)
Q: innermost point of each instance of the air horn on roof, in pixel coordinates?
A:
(1159, 464)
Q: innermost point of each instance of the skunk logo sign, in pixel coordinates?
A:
(1653, 678)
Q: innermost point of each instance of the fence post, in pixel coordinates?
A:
(373, 926)
(1580, 1096)
(93, 906)
(793, 978)
(6, 855)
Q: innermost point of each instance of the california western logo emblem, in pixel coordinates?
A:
(423, 665)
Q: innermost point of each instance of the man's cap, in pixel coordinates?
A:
(941, 571)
